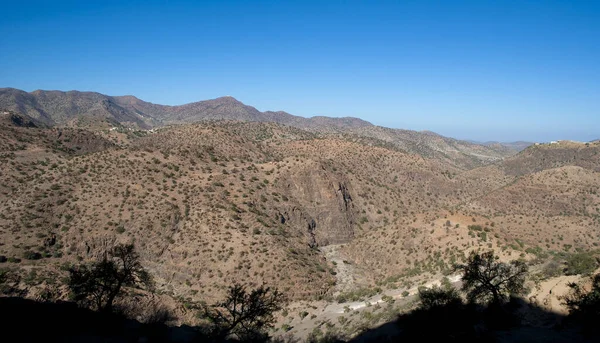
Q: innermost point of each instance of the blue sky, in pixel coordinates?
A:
(483, 70)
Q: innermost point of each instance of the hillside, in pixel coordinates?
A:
(546, 156)
(88, 109)
(324, 217)
(266, 195)
(517, 146)
(551, 200)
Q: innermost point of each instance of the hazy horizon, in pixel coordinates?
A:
(473, 70)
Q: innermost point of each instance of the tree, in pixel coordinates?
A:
(98, 285)
(245, 315)
(485, 279)
(443, 306)
(584, 305)
(438, 297)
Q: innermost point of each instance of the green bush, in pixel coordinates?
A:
(32, 255)
(581, 263)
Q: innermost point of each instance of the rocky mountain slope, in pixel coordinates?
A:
(90, 109)
(210, 203)
(326, 209)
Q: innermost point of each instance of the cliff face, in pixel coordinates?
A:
(324, 205)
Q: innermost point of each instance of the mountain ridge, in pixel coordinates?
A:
(75, 108)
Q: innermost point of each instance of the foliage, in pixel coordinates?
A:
(438, 297)
(9, 283)
(485, 279)
(358, 294)
(245, 315)
(98, 284)
(32, 255)
(584, 305)
(581, 263)
(551, 269)
(440, 317)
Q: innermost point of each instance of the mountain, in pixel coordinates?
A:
(547, 156)
(461, 154)
(60, 108)
(326, 217)
(88, 108)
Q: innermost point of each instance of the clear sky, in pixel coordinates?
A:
(483, 70)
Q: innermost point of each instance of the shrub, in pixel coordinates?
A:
(32, 255)
(437, 297)
(581, 263)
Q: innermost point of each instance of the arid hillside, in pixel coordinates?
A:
(322, 216)
(215, 202)
(98, 111)
(208, 203)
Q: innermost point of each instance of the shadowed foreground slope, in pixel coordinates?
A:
(30, 321)
(517, 321)
(25, 320)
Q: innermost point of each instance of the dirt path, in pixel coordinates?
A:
(397, 294)
(549, 292)
(320, 312)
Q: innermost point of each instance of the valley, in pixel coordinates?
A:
(347, 219)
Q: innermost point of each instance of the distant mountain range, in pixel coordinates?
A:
(57, 108)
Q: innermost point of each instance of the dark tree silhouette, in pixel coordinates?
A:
(245, 315)
(98, 285)
(438, 297)
(485, 279)
(583, 304)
